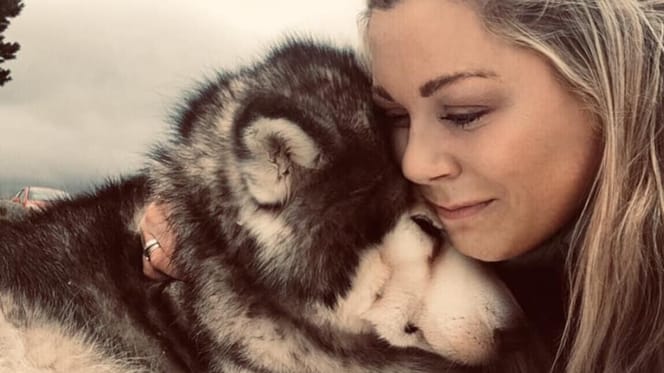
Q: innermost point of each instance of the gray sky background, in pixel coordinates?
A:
(94, 80)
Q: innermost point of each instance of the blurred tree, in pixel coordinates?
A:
(8, 9)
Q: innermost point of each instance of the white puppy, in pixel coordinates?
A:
(437, 299)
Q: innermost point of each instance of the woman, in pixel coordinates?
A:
(527, 122)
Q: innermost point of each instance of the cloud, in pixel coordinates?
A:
(94, 80)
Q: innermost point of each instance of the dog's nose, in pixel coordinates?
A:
(510, 339)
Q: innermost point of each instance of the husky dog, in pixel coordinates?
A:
(281, 190)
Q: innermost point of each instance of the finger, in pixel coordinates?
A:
(155, 223)
(151, 272)
(148, 269)
(162, 263)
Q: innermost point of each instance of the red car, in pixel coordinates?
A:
(33, 197)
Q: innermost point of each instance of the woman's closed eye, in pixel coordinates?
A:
(466, 118)
(400, 118)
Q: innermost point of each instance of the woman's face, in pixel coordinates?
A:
(494, 142)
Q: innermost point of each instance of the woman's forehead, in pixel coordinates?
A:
(431, 43)
(430, 29)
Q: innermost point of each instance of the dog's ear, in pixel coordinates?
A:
(274, 143)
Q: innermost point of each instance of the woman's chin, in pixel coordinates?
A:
(487, 252)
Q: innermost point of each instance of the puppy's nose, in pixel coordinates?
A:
(510, 339)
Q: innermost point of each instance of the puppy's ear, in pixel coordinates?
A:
(274, 143)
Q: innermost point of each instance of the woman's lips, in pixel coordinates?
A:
(461, 211)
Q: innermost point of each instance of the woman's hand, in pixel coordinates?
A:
(158, 243)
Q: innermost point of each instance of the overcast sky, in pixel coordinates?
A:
(94, 79)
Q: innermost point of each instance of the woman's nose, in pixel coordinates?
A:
(426, 158)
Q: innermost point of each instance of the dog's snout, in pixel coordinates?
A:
(410, 328)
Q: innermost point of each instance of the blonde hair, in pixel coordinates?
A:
(611, 54)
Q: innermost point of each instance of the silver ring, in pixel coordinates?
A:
(149, 247)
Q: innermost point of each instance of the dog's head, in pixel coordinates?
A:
(317, 182)
(288, 158)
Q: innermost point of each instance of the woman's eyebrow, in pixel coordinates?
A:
(431, 86)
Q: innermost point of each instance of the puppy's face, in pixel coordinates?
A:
(326, 173)
(288, 159)
(316, 169)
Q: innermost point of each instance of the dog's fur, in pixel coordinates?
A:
(279, 185)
